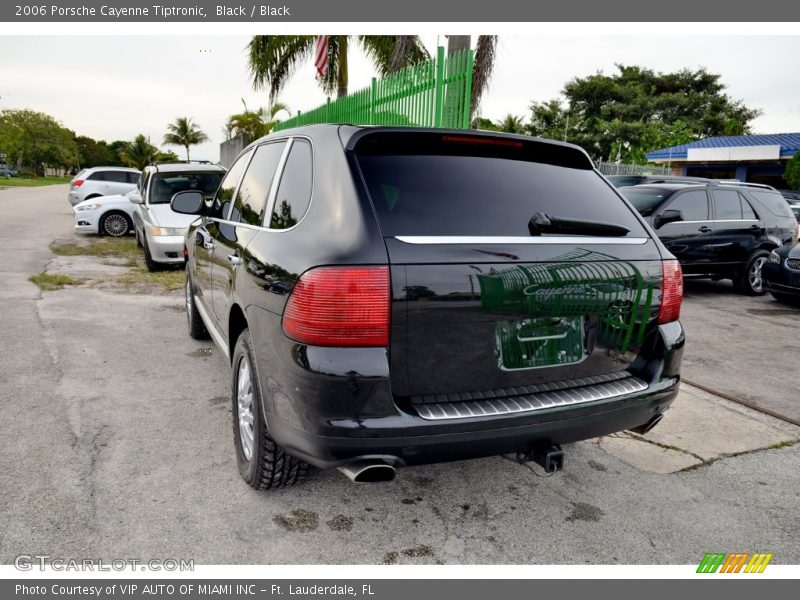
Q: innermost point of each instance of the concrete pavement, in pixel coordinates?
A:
(117, 443)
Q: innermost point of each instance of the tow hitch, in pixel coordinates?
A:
(551, 459)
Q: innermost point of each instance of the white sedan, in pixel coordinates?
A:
(105, 215)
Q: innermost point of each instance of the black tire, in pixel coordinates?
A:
(115, 224)
(151, 265)
(197, 329)
(787, 299)
(268, 467)
(748, 282)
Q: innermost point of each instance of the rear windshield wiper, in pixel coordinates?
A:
(541, 223)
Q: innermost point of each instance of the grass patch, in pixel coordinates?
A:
(35, 182)
(105, 247)
(49, 282)
(170, 280)
(786, 444)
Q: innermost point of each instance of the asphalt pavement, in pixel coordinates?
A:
(116, 442)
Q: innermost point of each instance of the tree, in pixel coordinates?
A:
(91, 153)
(636, 110)
(36, 140)
(115, 149)
(184, 132)
(139, 153)
(272, 59)
(511, 124)
(254, 124)
(792, 173)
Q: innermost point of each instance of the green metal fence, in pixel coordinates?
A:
(434, 93)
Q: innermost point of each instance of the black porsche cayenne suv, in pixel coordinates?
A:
(398, 296)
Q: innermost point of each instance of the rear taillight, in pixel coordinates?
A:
(671, 292)
(77, 183)
(340, 306)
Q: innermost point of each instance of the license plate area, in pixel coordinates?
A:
(540, 343)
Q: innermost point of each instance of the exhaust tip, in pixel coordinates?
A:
(369, 472)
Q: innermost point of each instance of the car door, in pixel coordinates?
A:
(736, 227)
(244, 222)
(138, 203)
(690, 238)
(116, 183)
(206, 233)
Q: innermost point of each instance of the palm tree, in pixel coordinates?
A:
(512, 124)
(273, 58)
(184, 132)
(255, 124)
(139, 153)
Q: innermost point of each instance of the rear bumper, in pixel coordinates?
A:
(330, 406)
(488, 437)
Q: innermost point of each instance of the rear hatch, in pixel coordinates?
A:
(486, 304)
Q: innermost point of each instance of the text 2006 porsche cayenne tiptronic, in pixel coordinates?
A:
(398, 296)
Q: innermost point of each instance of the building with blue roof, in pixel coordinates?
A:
(754, 158)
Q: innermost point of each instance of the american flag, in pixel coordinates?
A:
(321, 56)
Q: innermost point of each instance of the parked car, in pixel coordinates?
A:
(101, 181)
(159, 230)
(561, 319)
(8, 172)
(782, 274)
(621, 181)
(105, 215)
(721, 231)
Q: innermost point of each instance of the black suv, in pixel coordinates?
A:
(718, 230)
(397, 296)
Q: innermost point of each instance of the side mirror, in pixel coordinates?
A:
(668, 216)
(135, 198)
(188, 202)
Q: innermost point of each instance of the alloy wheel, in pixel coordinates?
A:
(754, 276)
(115, 225)
(244, 404)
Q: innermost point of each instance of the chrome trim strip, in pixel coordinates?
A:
(215, 335)
(488, 239)
(531, 402)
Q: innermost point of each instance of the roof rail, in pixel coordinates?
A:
(737, 183)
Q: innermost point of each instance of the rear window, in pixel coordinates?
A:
(645, 200)
(774, 202)
(432, 187)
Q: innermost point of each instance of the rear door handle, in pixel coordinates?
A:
(234, 259)
(704, 229)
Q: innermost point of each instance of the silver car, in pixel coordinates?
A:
(158, 229)
(101, 181)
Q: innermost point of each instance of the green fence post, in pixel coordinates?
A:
(328, 110)
(468, 89)
(373, 99)
(439, 88)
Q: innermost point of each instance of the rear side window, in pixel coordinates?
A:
(774, 202)
(227, 188)
(133, 177)
(728, 205)
(294, 190)
(257, 181)
(693, 205)
(97, 176)
(117, 176)
(427, 185)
